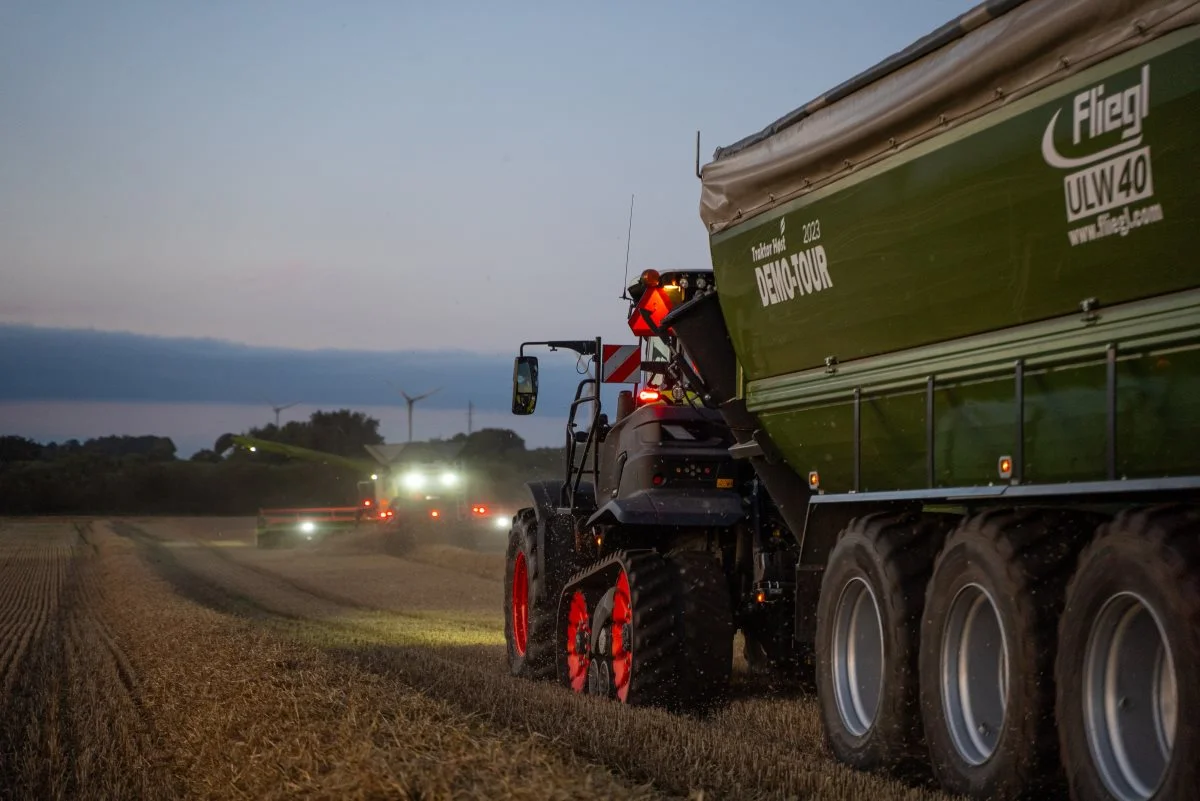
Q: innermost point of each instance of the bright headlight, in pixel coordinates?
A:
(501, 522)
(449, 479)
(308, 527)
(414, 481)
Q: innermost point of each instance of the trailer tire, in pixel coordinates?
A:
(706, 630)
(530, 604)
(1144, 561)
(878, 568)
(987, 653)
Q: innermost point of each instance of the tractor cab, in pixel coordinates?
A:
(662, 409)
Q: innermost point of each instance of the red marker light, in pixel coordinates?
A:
(649, 396)
(366, 503)
(434, 513)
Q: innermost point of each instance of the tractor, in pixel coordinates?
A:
(629, 577)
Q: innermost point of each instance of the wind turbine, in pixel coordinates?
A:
(279, 409)
(411, 401)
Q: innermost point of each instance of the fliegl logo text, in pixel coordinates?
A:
(1110, 181)
(787, 275)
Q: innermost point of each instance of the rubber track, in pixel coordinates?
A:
(657, 641)
(705, 628)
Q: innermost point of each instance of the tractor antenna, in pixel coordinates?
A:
(470, 417)
(628, 239)
(698, 175)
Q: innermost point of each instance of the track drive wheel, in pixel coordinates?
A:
(1129, 646)
(988, 637)
(868, 618)
(530, 599)
(579, 644)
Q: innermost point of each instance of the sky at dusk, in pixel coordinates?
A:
(381, 176)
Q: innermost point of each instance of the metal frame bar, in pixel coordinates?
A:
(1098, 489)
(930, 466)
(1018, 465)
(591, 445)
(857, 439)
(1111, 392)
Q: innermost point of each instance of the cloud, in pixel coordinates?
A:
(83, 365)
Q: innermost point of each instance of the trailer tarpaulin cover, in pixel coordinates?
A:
(989, 56)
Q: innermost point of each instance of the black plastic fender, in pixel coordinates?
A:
(548, 497)
(718, 508)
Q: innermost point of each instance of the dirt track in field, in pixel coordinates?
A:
(147, 658)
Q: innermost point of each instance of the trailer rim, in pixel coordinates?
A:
(1130, 697)
(520, 604)
(974, 674)
(858, 657)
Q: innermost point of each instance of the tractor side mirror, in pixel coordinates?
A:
(525, 384)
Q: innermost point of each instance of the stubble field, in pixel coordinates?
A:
(169, 658)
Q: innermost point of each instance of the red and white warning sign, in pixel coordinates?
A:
(622, 364)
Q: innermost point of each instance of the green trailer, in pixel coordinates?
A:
(958, 336)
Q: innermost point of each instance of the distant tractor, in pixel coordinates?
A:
(439, 501)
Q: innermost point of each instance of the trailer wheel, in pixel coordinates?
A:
(530, 603)
(705, 629)
(987, 651)
(868, 615)
(1129, 644)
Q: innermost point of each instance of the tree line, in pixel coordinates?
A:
(143, 475)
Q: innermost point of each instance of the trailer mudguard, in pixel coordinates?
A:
(662, 507)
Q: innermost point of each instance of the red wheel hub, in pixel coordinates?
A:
(520, 604)
(622, 649)
(579, 638)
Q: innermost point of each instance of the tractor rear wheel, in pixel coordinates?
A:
(530, 603)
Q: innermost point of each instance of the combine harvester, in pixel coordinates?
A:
(940, 425)
(422, 491)
(293, 526)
